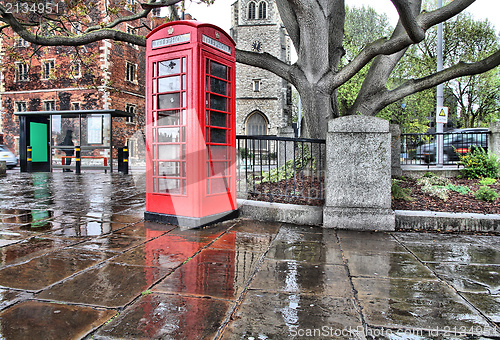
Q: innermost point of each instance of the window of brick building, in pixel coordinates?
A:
(48, 67)
(76, 70)
(22, 72)
(131, 72)
(21, 107)
(49, 105)
(20, 42)
(131, 109)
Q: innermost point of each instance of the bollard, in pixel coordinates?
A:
(78, 161)
(29, 158)
(125, 160)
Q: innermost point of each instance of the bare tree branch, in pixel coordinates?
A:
(459, 70)
(409, 20)
(267, 62)
(396, 43)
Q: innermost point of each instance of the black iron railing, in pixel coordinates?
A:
(420, 148)
(281, 169)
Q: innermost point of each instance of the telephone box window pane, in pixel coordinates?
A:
(218, 152)
(154, 85)
(184, 69)
(154, 69)
(155, 188)
(218, 70)
(218, 102)
(169, 152)
(154, 135)
(168, 67)
(170, 84)
(154, 168)
(184, 99)
(169, 118)
(184, 81)
(183, 117)
(219, 185)
(217, 136)
(218, 169)
(183, 134)
(169, 185)
(218, 86)
(168, 135)
(154, 102)
(169, 101)
(218, 119)
(171, 169)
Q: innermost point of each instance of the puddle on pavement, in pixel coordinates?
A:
(488, 304)
(311, 252)
(115, 243)
(301, 277)
(111, 285)
(40, 320)
(160, 316)
(215, 273)
(45, 270)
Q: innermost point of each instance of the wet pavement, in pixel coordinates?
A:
(77, 260)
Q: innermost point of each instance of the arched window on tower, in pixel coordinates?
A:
(251, 10)
(262, 10)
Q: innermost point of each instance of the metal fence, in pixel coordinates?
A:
(420, 148)
(281, 169)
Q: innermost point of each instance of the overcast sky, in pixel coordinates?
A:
(219, 13)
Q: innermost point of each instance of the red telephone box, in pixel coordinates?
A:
(190, 125)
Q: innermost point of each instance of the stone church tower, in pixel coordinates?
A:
(263, 100)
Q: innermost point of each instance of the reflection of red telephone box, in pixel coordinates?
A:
(190, 124)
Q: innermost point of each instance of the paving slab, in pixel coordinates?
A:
(161, 316)
(111, 285)
(301, 277)
(30, 248)
(42, 320)
(455, 252)
(43, 271)
(266, 315)
(212, 273)
(469, 277)
(390, 265)
(414, 304)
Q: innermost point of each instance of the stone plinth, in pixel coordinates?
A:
(494, 139)
(396, 170)
(358, 181)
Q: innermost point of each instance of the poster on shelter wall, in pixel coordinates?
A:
(94, 129)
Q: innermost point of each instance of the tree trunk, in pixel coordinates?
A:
(318, 108)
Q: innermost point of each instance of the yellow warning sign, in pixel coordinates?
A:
(442, 114)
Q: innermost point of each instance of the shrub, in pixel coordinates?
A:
(479, 164)
(435, 186)
(487, 181)
(458, 188)
(399, 193)
(486, 194)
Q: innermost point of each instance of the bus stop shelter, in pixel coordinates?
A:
(53, 136)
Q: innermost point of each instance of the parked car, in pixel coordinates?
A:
(7, 156)
(455, 143)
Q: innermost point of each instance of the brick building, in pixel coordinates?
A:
(263, 100)
(102, 75)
